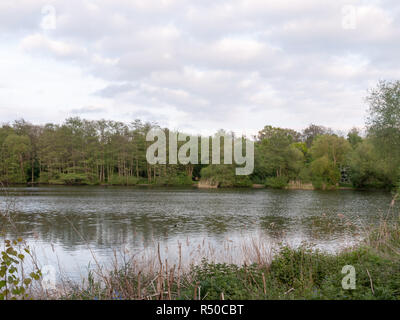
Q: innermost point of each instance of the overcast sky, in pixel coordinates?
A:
(196, 65)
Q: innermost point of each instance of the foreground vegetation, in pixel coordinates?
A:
(108, 152)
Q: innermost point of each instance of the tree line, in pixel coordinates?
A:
(80, 151)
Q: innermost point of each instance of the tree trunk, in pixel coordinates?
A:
(33, 170)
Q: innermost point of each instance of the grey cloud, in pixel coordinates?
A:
(19, 16)
(208, 59)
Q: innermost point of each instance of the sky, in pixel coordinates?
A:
(196, 66)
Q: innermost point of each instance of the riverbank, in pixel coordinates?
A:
(195, 184)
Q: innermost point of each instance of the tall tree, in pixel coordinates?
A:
(310, 133)
(384, 124)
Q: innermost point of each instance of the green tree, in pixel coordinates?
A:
(329, 153)
(17, 150)
(310, 133)
(277, 153)
(384, 124)
(354, 138)
(367, 168)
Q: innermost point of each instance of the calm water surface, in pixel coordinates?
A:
(66, 225)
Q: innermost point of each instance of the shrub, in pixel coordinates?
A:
(122, 181)
(222, 175)
(321, 184)
(243, 181)
(301, 268)
(13, 284)
(174, 180)
(78, 178)
(277, 182)
(305, 175)
(229, 280)
(44, 178)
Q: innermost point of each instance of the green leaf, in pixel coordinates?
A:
(11, 252)
(15, 291)
(12, 270)
(27, 281)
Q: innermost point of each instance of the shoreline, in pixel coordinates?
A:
(194, 185)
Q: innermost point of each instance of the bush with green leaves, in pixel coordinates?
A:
(228, 280)
(179, 179)
(122, 181)
(14, 284)
(277, 182)
(224, 176)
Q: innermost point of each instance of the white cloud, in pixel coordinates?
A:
(41, 43)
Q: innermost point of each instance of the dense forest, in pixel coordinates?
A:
(107, 152)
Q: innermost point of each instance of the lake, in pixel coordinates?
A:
(68, 226)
